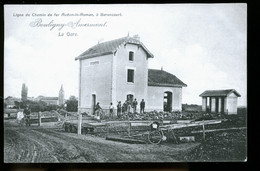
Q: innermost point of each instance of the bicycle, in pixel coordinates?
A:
(27, 120)
(156, 135)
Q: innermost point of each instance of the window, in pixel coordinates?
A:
(131, 56)
(94, 63)
(130, 75)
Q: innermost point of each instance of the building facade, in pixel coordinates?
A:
(10, 101)
(220, 101)
(117, 70)
(49, 100)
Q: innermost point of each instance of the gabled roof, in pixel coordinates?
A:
(11, 100)
(162, 78)
(110, 47)
(210, 93)
(49, 98)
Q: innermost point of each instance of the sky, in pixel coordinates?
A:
(204, 45)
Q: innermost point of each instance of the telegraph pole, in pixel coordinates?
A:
(79, 113)
(79, 122)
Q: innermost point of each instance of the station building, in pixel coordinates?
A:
(117, 70)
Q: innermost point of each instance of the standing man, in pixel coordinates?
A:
(135, 103)
(27, 113)
(129, 105)
(124, 109)
(97, 109)
(119, 109)
(111, 110)
(142, 106)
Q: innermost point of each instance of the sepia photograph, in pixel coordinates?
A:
(125, 83)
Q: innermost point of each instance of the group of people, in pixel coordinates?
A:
(124, 108)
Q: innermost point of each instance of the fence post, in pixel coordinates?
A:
(203, 127)
(39, 118)
(129, 129)
(79, 123)
(107, 129)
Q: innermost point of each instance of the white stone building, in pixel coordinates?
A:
(115, 70)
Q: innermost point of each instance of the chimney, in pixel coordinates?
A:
(136, 37)
(162, 68)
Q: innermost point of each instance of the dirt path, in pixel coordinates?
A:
(41, 144)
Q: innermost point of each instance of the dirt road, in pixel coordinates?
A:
(46, 144)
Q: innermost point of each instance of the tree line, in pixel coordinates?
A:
(71, 105)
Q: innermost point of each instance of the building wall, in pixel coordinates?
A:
(106, 77)
(213, 104)
(204, 104)
(231, 104)
(95, 78)
(155, 96)
(140, 66)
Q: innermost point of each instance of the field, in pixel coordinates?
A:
(49, 143)
(224, 146)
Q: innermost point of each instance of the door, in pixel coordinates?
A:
(167, 101)
(130, 97)
(93, 103)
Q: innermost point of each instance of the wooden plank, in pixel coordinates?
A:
(203, 130)
(196, 123)
(214, 130)
(125, 139)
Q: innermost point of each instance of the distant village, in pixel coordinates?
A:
(52, 102)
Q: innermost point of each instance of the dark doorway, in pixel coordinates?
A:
(93, 104)
(217, 104)
(130, 97)
(222, 105)
(167, 101)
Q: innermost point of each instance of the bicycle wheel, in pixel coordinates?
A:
(155, 137)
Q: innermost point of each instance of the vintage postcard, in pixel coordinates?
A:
(125, 83)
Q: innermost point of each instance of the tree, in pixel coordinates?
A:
(72, 104)
(17, 104)
(42, 105)
(51, 107)
(24, 92)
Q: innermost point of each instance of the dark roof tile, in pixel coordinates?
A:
(163, 78)
(110, 47)
(210, 93)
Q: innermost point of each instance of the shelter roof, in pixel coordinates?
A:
(210, 93)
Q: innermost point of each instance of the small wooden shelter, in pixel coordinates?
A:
(220, 101)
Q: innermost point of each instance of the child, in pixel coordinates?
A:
(119, 108)
(111, 110)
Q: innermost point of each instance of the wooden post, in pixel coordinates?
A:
(79, 123)
(203, 128)
(39, 118)
(129, 129)
(107, 129)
